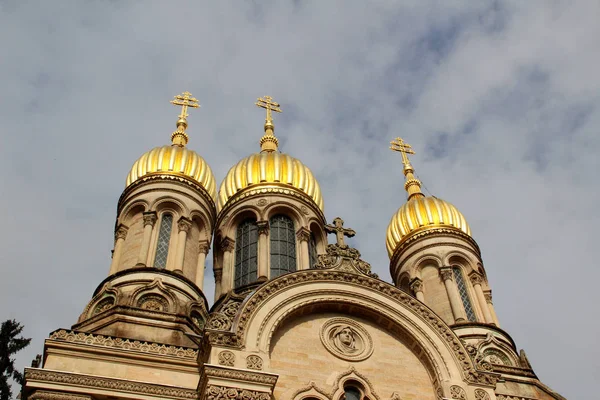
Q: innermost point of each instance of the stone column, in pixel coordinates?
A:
(458, 310)
(203, 247)
(488, 299)
(417, 287)
(476, 281)
(218, 279)
(227, 246)
(303, 236)
(149, 221)
(184, 226)
(263, 249)
(120, 236)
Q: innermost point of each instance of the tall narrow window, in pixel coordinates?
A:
(312, 251)
(164, 237)
(283, 245)
(246, 253)
(462, 290)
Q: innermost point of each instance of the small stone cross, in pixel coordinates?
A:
(340, 231)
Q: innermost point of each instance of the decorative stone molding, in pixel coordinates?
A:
(104, 304)
(343, 258)
(228, 393)
(111, 384)
(435, 232)
(353, 375)
(263, 227)
(476, 279)
(121, 232)
(254, 362)
(488, 296)
(124, 344)
(219, 321)
(446, 274)
(458, 393)
(481, 394)
(184, 225)
(304, 210)
(218, 273)
(227, 358)
(150, 218)
(223, 373)
(227, 244)
(416, 285)
(262, 202)
(303, 234)
(203, 246)
(270, 288)
(46, 395)
(346, 339)
(508, 397)
(153, 302)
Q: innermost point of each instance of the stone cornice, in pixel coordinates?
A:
(48, 395)
(109, 384)
(124, 344)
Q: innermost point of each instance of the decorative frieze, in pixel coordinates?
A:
(47, 395)
(228, 393)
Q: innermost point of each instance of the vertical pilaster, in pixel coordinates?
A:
(263, 249)
(149, 222)
(417, 287)
(227, 246)
(303, 236)
(203, 247)
(120, 236)
(183, 226)
(476, 281)
(458, 310)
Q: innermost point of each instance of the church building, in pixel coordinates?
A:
(294, 317)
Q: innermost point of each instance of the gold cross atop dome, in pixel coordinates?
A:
(340, 231)
(268, 142)
(412, 184)
(185, 100)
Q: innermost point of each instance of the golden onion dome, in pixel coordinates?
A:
(269, 170)
(176, 161)
(422, 213)
(419, 213)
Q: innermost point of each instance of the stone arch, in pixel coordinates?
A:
(138, 206)
(310, 392)
(316, 228)
(108, 297)
(457, 258)
(168, 202)
(353, 378)
(155, 291)
(288, 209)
(426, 260)
(492, 346)
(228, 223)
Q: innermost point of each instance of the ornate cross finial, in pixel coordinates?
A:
(340, 231)
(185, 100)
(268, 142)
(404, 148)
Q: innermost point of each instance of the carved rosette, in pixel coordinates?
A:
(458, 393)
(481, 394)
(227, 358)
(153, 302)
(219, 321)
(254, 362)
(346, 339)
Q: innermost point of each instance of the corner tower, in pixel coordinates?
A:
(270, 218)
(165, 220)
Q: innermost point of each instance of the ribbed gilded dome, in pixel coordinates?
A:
(174, 161)
(269, 168)
(422, 213)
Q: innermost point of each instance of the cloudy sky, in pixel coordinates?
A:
(501, 101)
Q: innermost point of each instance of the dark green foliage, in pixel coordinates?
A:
(10, 344)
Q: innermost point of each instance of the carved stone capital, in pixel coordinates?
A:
(303, 234)
(203, 246)
(184, 224)
(416, 285)
(218, 274)
(121, 232)
(476, 279)
(446, 274)
(488, 296)
(263, 227)
(150, 218)
(227, 244)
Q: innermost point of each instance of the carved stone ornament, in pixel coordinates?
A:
(227, 244)
(121, 232)
(219, 321)
(262, 202)
(439, 393)
(254, 362)
(203, 246)
(227, 358)
(481, 394)
(47, 395)
(458, 393)
(153, 302)
(506, 397)
(184, 225)
(476, 279)
(227, 393)
(304, 210)
(416, 285)
(303, 234)
(346, 339)
(488, 297)
(336, 255)
(104, 305)
(263, 227)
(150, 218)
(446, 274)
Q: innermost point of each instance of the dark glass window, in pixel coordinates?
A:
(351, 393)
(246, 253)
(464, 295)
(164, 237)
(312, 251)
(283, 245)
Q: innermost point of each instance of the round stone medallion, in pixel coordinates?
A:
(346, 339)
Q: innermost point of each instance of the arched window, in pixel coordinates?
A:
(246, 253)
(164, 237)
(283, 245)
(464, 295)
(353, 393)
(312, 251)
